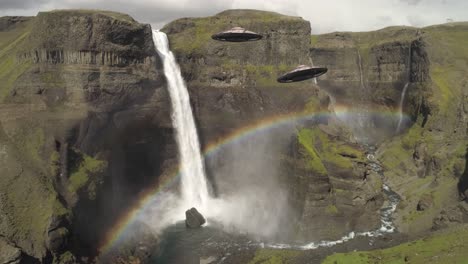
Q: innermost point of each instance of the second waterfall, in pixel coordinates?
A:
(194, 186)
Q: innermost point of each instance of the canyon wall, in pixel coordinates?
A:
(85, 123)
(85, 126)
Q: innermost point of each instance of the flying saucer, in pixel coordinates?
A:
(302, 73)
(236, 34)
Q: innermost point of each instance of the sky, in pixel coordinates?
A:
(324, 15)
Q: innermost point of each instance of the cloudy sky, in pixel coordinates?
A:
(324, 15)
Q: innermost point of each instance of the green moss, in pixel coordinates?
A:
(80, 177)
(455, 160)
(348, 259)
(196, 36)
(31, 206)
(449, 66)
(10, 71)
(264, 75)
(10, 67)
(112, 14)
(312, 105)
(273, 256)
(59, 209)
(54, 163)
(444, 93)
(305, 138)
(331, 209)
(64, 258)
(323, 150)
(413, 136)
(314, 39)
(448, 247)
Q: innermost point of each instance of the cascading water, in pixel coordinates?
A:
(360, 69)
(312, 64)
(403, 93)
(193, 181)
(400, 107)
(361, 117)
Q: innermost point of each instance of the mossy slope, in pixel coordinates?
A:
(447, 247)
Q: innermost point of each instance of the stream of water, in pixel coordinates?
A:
(403, 92)
(193, 180)
(400, 110)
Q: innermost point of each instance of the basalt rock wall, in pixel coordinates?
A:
(85, 127)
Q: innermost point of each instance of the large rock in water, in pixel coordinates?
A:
(193, 218)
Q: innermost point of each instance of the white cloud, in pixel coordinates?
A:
(324, 15)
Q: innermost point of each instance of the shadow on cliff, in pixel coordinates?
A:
(133, 136)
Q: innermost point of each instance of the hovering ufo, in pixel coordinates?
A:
(302, 73)
(236, 34)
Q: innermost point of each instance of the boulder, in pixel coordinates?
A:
(57, 239)
(193, 218)
(9, 253)
(425, 203)
(57, 234)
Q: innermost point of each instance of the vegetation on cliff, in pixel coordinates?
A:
(12, 40)
(50, 75)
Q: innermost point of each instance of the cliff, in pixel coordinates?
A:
(233, 85)
(425, 162)
(80, 91)
(85, 124)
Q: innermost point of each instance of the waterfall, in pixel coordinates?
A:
(194, 188)
(363, 114)
(403, 93)
(400, 110)
(360, 69)
(312, 64)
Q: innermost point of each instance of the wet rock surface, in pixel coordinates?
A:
(193, 218)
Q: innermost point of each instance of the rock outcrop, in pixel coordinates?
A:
(368, 73)
(193, 218)
(9, 254)
(426, 162)
(84, 127)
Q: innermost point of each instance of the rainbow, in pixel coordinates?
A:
(117, 231)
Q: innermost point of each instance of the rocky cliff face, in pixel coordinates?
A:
(426, 163)
(368, 75)
(234, 84)
(85, 123)
(85, 126)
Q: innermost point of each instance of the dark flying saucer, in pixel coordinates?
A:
(236, 34)
(302, 73)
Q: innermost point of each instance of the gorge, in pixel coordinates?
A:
(97, 139)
